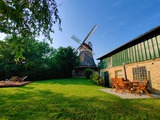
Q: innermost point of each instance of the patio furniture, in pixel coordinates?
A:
(12, 79)
(21, 79)
(134, 85)
(123, 85)
(143, 87)
(114, 83)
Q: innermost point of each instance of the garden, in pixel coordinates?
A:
(71, 99)
(52, 93)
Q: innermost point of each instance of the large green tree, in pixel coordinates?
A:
(37, 57)
(67, 60)
(40, 60)
(28, 17)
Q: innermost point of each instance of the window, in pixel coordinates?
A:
(118, 74)
(139, 73)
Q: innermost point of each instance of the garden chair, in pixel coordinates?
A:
(13, 79)
(123, 85)
(143, 87)
(21, 79)
(114, 83)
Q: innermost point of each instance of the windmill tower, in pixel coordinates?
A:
(85, 54)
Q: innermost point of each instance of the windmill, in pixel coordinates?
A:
(85, 54)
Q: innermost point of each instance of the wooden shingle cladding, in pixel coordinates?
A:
(144, 47)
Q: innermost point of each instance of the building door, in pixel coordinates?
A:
(106, 78)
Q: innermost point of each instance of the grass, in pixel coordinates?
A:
(71, 99)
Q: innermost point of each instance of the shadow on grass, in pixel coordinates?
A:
(73, 81)
(46, 104)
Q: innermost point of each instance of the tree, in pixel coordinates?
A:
(37, 58)
(38, 63)
(67, 60)
(28, 17)
(41, 61)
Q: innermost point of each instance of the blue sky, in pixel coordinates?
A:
(118, 21)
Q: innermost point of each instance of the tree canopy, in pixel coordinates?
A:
(28, 17)
(41, 61)
(67, 59)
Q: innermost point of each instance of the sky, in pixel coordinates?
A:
(118, 22)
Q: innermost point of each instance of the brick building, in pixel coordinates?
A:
(138, 59)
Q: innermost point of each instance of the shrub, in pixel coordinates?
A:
(88, 72)
(95, 78)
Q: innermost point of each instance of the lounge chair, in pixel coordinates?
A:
(21, 79)
(13, 79)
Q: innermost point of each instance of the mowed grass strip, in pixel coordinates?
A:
(71, 99)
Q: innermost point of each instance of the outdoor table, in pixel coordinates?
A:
(131, 85)
(134, 84)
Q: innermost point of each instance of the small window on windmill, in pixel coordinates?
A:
(90, 44)
(109, 62)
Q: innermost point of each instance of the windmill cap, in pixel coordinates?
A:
(87, 46)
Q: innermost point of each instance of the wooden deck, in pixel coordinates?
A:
(13, 84)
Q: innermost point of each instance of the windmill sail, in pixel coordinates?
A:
(90, 33)
(76, 39)
(86, 54)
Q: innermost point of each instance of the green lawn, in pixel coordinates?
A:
(71, 99)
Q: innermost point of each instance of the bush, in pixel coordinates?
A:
(88, 72)
(95, 78)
